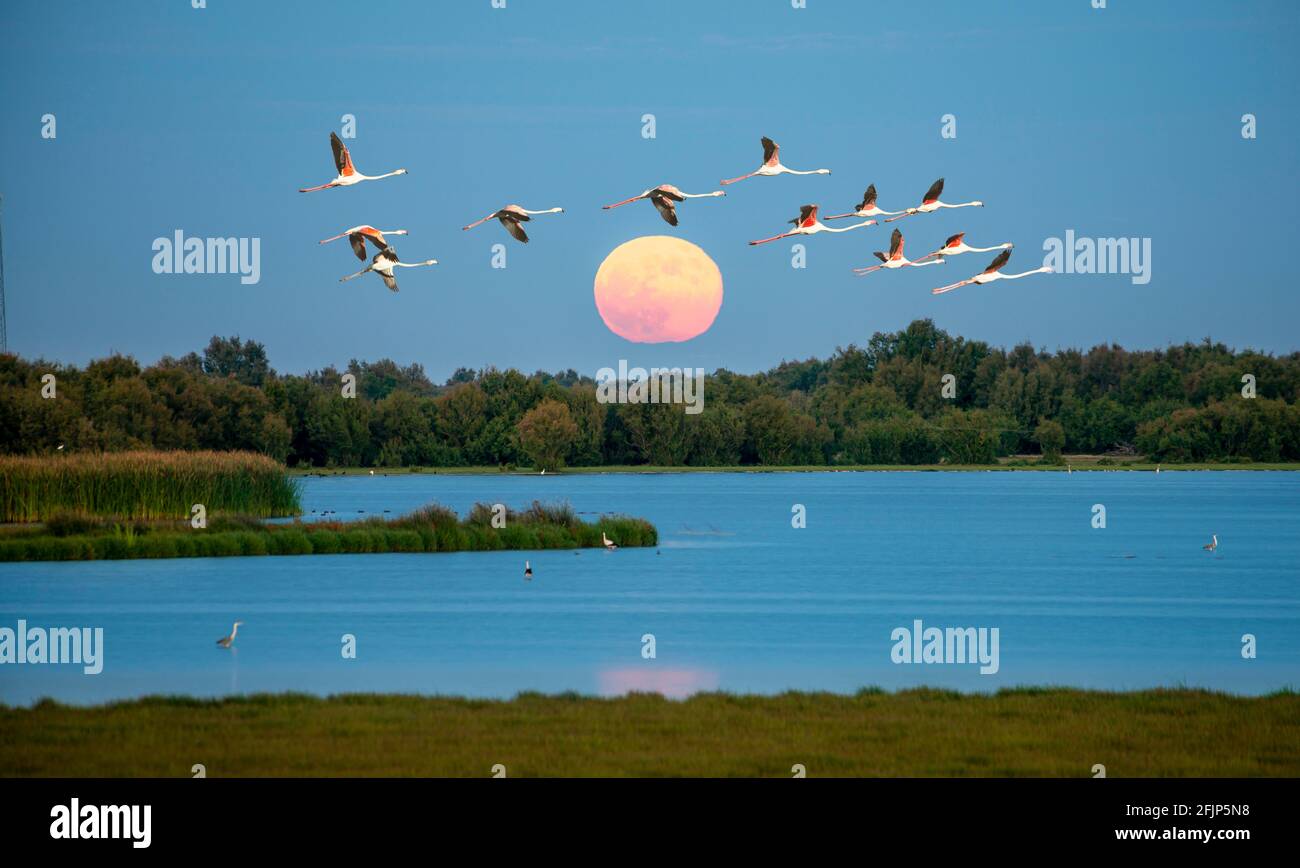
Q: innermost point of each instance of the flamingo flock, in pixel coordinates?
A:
(666, 197)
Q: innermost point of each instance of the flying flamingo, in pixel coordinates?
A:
(348, 174)
(357, 236)
(808, 224)
(954, 246)
(895, 257)
(772, 164)
(867, 208)
(992, 273)
(1213, 544)
(227, 641)
(384, 263)
(665, 198)
(931, 203)
(511, 216)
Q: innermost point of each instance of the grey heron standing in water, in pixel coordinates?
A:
(227, 641)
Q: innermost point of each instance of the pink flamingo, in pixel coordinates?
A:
(772, 164)
(665, 198)
(867, 208)
(895, 257)
(511, 216)
(384, 263)
(348, 174)
(931, 203)
(992, 273)
(955, 246)
(808, 224)
(357, 236)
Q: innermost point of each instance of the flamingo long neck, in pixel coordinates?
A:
(847, 228)
(385, 175)
(234, 630)
(958, 205)
(987, 249)
(1042, 270)
(547, 211)
(808, 172)
(702, 195)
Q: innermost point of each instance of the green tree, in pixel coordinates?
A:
(229, 357)
(1050, 437)
(547, 434)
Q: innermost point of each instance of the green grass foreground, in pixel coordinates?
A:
(145, 485)
(432, 528)
(1024, 732)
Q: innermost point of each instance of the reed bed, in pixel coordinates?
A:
(433, 528)
(144, 485)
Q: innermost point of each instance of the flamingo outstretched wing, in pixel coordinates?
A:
(933, 194)
(998, 261)
(667, 209)
(896, 245)
(342, 159)
(514, 228)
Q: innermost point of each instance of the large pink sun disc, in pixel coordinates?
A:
(658, 288)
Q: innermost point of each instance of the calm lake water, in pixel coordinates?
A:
(735, 597)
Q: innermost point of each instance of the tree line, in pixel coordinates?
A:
(915, 396)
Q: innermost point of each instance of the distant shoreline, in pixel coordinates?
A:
(1083, 465)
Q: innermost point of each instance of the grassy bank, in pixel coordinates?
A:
(1070, 462)
(430, 529)
(1038, 732)
(144, 485)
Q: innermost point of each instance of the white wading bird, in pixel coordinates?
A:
(384, 263)
(867, 208)
(348, 174)
(772, 164)
(931, 203)
(665, 198)
(992, 273)
(1212, 544)
(607, 542)
(808, 224)
(955, 245)
(227, 641)
(895, 257)
(357, 236)
(511, 216)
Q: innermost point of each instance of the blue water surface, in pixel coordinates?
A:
(735, 597)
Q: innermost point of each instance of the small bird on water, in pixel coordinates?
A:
(528, 572)
(1212, 544)
(607, 542)
(227, 641)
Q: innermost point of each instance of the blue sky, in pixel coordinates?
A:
(1124, 121)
